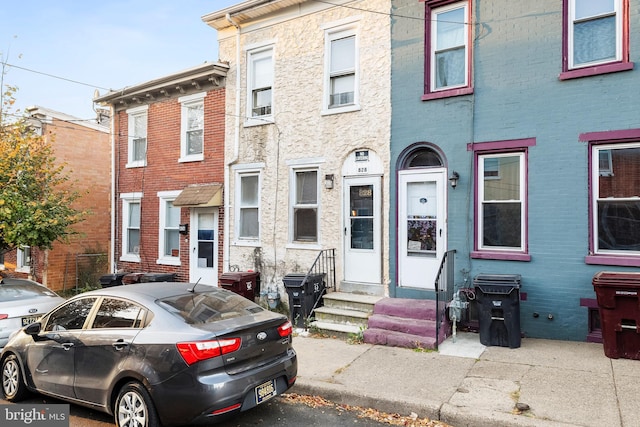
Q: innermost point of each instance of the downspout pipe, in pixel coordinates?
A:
(236, 149)
(112, 248)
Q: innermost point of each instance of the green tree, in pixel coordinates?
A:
(36, 194)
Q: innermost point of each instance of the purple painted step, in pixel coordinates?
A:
(398, 339)
(424, 328)
(403, 322)
(407, 308)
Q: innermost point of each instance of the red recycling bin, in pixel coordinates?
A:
(619, 306)
(245, 283)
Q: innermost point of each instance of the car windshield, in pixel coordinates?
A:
(207, 307)
(21, 290)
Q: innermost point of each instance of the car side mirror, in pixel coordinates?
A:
(33, 329)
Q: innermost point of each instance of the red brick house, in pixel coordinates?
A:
(168, 174)
(84, 149)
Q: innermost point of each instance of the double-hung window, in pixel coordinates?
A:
(169, 236)
(131, 215)
(248, 206)
(596, 37)
(615, 202)
(341, 69)
(260, 85)
(448, 49)
(24, 259)
(501, 199)
(304, 205)
(137, 136)
(192, 127)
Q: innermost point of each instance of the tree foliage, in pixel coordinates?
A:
(36, 195)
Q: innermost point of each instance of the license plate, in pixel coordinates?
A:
(265, 391)
(29, 320)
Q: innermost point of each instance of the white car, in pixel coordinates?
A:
(22, 302)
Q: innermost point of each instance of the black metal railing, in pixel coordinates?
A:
(325, 265)
(444, 290)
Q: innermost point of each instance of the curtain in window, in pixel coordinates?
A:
(450, 48)
(195, 126)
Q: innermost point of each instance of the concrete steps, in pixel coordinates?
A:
(402, 322)
(344, 313)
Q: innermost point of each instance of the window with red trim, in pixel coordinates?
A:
(447, 49)
(595, 37)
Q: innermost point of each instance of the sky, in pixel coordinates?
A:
(58, 53)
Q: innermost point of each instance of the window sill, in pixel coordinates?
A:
(193, 158)
(248, 243)
(596, 70)
(447, 93)
(309, 246)
(505, 256)
(622, 261)
(340, 110)
(130, 258)
(259, 121)
(135, 165)
(168, 261)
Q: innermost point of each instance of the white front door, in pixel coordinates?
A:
(203, 246)
(422, 226)
(362, 230)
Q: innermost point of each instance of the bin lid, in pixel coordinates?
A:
(497, 283)
(616, 278)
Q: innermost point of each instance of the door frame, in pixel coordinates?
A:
(373, 258)
(194, 275)
(431, 264)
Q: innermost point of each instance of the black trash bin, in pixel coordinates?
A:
(303, 295)
(109, 280)
(245, 283)
(498, 299)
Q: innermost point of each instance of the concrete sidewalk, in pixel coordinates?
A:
(466, 384)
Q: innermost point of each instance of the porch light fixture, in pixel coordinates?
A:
(453, 179)
(328, 181)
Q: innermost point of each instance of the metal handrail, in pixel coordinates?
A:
(444, 289)
(325, 264)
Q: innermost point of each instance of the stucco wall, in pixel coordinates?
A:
(301, 132)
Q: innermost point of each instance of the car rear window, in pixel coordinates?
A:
(207, 307)
(17, 292)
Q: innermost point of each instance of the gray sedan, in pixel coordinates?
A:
(154, 354)
(22, 302)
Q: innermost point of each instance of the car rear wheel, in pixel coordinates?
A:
(13, 387)
(134, 407)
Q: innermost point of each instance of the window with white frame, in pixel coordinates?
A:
(137, 136)
(192, 127)
(131, 219)
(23, 264)
(595, 32)
(448, 41)
(615, 202)
(248, 206)
(169, 234)
(341, 69)
(501, 201)
(304, 205)
(595, 37)
(260, 84)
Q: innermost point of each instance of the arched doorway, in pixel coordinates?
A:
(422, 221)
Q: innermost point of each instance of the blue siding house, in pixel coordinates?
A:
(515, 141)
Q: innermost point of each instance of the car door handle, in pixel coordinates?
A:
(67, 345)
(120, 344)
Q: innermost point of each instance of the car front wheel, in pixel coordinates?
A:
(13, 387)
(134, 407)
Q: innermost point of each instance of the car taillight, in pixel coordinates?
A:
(3, 316)
(195, 351)
(285, 329)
